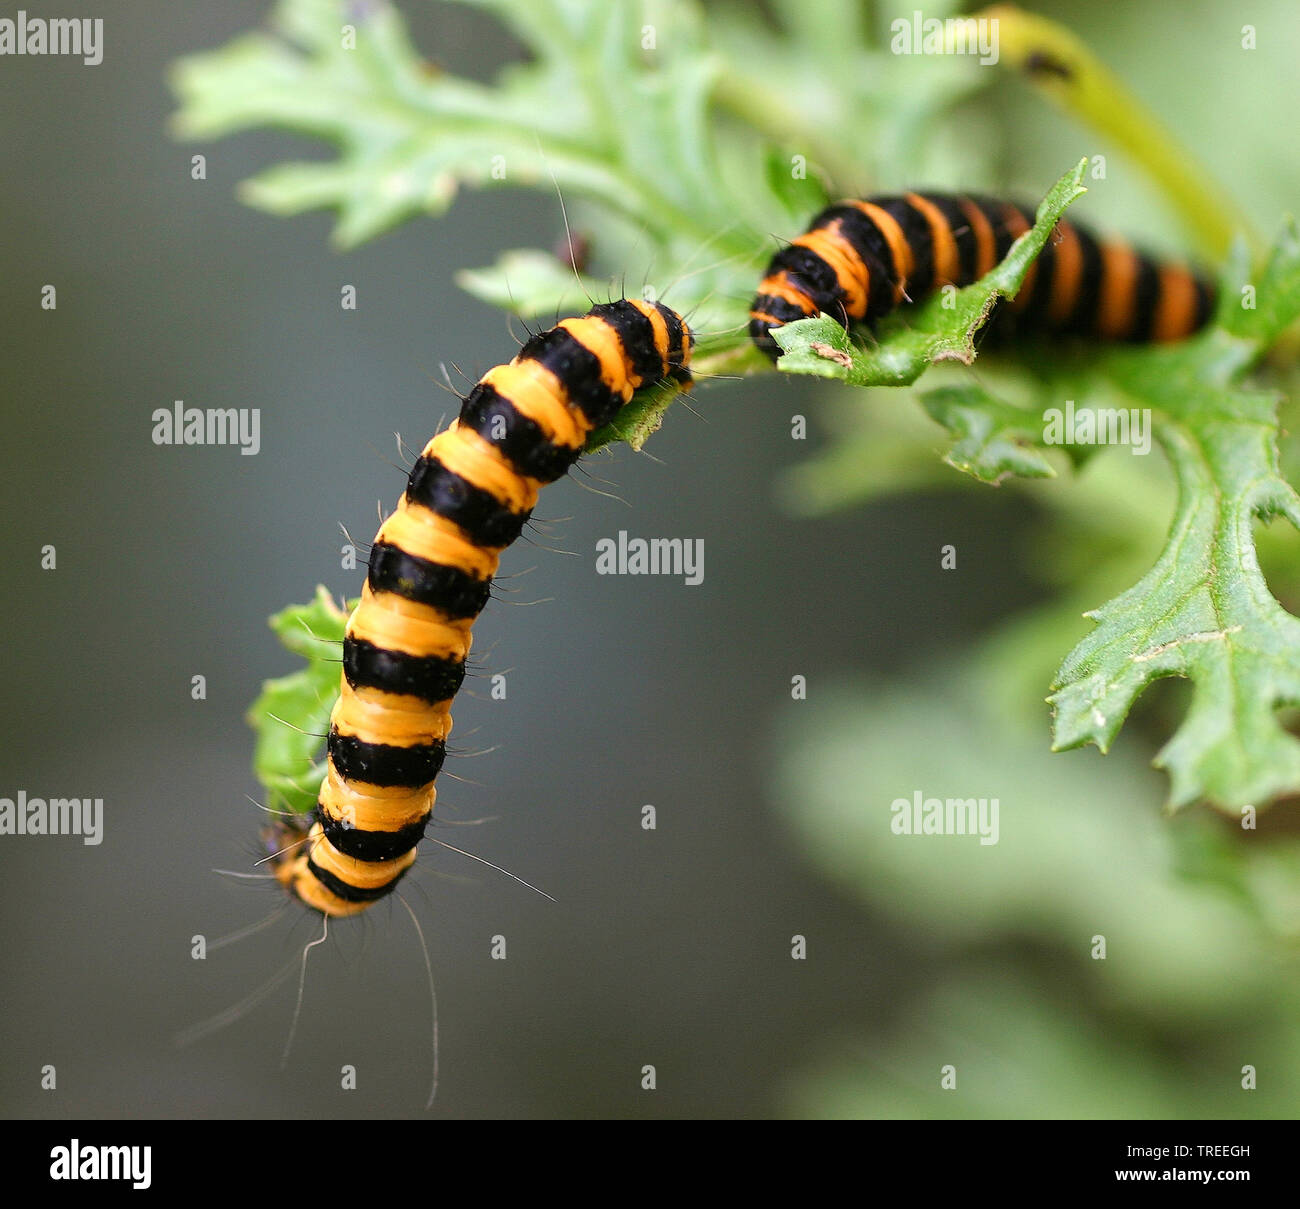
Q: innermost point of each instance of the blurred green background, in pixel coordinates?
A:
(669, 948)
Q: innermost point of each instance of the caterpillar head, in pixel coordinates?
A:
(282, 842)
(320, 877)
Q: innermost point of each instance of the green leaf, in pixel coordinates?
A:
(532, 285)
(1204, 611)
(820, 79)
(639, 420)
(408, 134)
(291, 714)
(943, 329)
(993, 439)
(799, 191)
(1262, 310)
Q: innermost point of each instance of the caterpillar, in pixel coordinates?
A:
(861, 258)
(468, 497)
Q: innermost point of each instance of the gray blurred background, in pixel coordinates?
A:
(670, 947)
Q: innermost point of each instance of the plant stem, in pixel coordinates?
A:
(1062, 67)
(761, 110)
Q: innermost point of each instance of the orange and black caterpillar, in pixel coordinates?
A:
(859, 259)
(468, 497)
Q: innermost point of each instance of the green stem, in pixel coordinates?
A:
(1062, 67)
(762, 110)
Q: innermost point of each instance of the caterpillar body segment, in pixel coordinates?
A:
(862, 258)
(468, 497)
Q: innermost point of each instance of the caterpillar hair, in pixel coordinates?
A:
(862, 258)
(468, 497)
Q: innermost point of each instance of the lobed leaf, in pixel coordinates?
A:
(1204, 611)
(291, 714)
